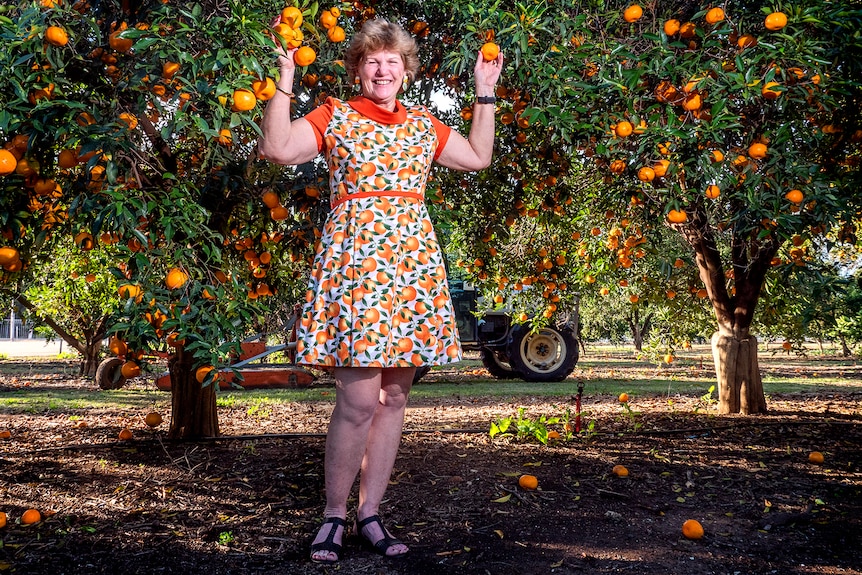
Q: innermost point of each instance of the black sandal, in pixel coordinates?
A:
(382, 545)
(329, 544)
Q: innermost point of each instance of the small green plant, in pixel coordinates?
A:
(257, 410)
(3, 357)
(632, 416)
(524, 428)
(225, 538)
(706, 400)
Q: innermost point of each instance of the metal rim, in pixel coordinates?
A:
(544, 351)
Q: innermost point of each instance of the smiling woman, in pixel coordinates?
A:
(378, 243)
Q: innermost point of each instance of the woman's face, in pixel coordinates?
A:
(380, 76)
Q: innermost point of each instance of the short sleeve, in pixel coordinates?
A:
(319, 119)
(443, 132)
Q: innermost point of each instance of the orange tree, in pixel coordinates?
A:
(136, 124)
(737, 128)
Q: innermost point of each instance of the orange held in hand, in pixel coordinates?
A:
(490, 51)
(692, 529)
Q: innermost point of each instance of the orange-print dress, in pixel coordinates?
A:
(378, 295)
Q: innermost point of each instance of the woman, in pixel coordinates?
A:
(378, 303)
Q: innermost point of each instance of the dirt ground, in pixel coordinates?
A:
(250, 502)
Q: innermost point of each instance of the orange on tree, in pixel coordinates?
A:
(263, 89)
(671, 27)
(305, 56)
(56, 36)
(633, 13)
(130, 369)
(202, 372)
(712, 191)
(328, 19)
(243, 100)
(490, 51)
(292, 16)
(169, 69)
(775, 21)
(336, 34)
(8, 162)
(661, 167)
(117, 346)
(153, 419)
(677, 216)
(9, 255)
(646, 174)
(623, 129)
(757, 151)
(692, 529)
(270, 199)
(176, 278)
(769, 92)
(714, 15)
(795, 196)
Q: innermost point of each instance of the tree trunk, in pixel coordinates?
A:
(193, 406)
(845, 351)
(740, 388)
(639, 330)
(90, 358)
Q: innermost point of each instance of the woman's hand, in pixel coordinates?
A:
(285, 56)
(486, 74)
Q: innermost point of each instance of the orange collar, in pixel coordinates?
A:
(371, 110)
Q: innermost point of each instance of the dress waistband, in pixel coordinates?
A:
(376, 193)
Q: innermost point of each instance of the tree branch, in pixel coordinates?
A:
(31, 307)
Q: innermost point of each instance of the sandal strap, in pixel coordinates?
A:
(381, 544)
(329, 543)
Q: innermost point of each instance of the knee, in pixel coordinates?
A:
(393, 398)
(354, 412)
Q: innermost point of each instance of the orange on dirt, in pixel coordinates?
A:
(328, 19)
(31, 516)
(620, 471)
(243, 100)
(646, 174)
(757, 151)
(624, 397)
(153, 419)
(9, 255)
(769, 92)
(263, 89)
(5, 434)
(528, 482)
(336, 34)
(292, 16)
(270, 199)
(623, 129)
(125, 434)
(712, 191)
(56, 36)
(490, 51)
(775, 21)
(130, 369)
(815, 457)
(304, 56)
(692, 529)
(2, 519)
(202, 372)
(8, 162)
(795, 196)
(671, 26)
(714, 15)
(176, 278)
(633, 13)
(677, 216)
